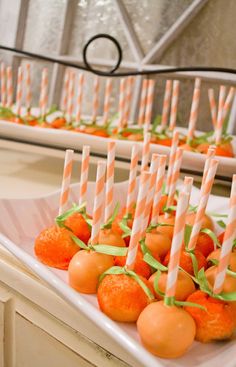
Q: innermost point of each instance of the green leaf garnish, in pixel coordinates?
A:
(110, 250)
(212, 235)
(187, 234)
(60, 219)
(112, 218)
(80, 243)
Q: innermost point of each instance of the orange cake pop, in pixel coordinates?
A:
(78, 225)
(158, 243)
(186, 262)
(140, 266)
(55, 247)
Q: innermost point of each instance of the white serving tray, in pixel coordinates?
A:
(23, 219)
(75, 140)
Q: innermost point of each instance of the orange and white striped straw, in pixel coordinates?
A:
(44, 92)
(174, 104)
(176, 247)
(229, 236)
(210, 154)
(166, 104)
(228, 101)
(107, 100)
(132, 179)
(19, 90)
(128, 99)
(149, 103)
(142, 106)
(71, 94)
(9, 87)
(150, 195)
(111, 150)
(194, 109)
(95, 98)
(173, 149)
(65, 187)
(65, 91)
(3, 84)
(79, 98)
(213, 107)
(188, 183)
(146, 151)
(122, 102)
(220, 114)
(138, 218)
(204, 196)
(158, 188)
(84, 174)
(174, 178)
(28, 92)
(98, 202)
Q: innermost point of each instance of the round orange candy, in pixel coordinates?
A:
(206, 222)
(121, 298)
(224, 149)
(158, 243)
(204, 244)
(140, 267)
(58, 123)
(166, 331)
(216, 256)
(187, 147)
(186, 261)
(85, 269)
(166, 142)
(184, 285)
(55, 247)
(229, 282)
(216, 323)
(111, 238)
(169, 229)
(79, 226)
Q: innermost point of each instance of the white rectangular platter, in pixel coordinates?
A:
(75, 140)
(21, 221)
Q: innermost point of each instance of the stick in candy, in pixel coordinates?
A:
(129, 90)
(188, 183)
(194, 110)
(84, 174)
(173, 149)
(149, 103)
(28, 94)
(146, 151)
(229, 236)
(220, 116)
(142, 102)
(121, 103)
(110, 179)
(65, 91)
(79, 98)
(98, 202)
(44, 92)
(204, 196)
(210, 154)
(3, 85)
(65, 188)
(228, 101)
(95, 98)
(107, 100)
(71, 93)
(132, 179)
(174, 104)
(176, 247)
(158, 188)
(138, 218)
(166, 104)
(19, 91)
(9, 87)
(213, 106)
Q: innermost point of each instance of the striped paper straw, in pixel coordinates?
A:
(95, 98)
(129, 89)
(174, 178)
(122, 102)
(174, 104)
(213, 107)
(28, 95)
(9, 87)
(210, 154)
(65, 188)
(228, 101)
(44, 92)
(110, 179)
(158, 188)
(138, 217)
(107, 100)
(150, 195)
(194, 109)
(229, 236)
(79, 98)
(220, 114)
(98, 202)
(173, 149)
(65, 91)
(204, 196)
(3, 84)
(166, 104)
(146, 151)
(71, 94)
(142, 102)
(19, 90)
(188, 183)
(177, 242)
(132, 180)
(149, 103)
(84, 174)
